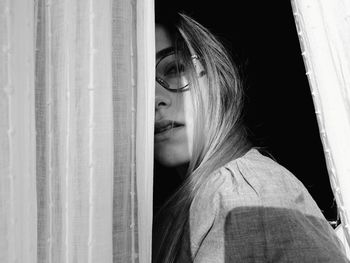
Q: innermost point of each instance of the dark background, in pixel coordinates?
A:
(262, 39)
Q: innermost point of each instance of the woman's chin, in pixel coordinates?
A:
(171, 160)
(172, 153)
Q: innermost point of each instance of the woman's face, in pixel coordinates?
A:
(174, 120)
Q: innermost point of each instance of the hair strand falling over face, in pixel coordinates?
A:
(219, 135)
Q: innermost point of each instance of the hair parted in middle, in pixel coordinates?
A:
(219, 133)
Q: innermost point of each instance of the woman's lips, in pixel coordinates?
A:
(164, 129)
(164, 125)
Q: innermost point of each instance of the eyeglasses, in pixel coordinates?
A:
(172, 73)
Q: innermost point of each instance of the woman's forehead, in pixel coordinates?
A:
(163, 39)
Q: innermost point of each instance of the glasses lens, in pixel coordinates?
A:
(173, 71)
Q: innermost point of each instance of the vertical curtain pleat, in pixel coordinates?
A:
(133, 106)
(18, 218)
(74, 131)
(124, 110)
(145, 123)
(324, 33)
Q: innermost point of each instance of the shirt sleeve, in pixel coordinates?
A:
(254, 210)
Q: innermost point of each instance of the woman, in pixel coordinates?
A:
(234, 204)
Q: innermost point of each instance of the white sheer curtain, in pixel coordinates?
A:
(324, 32)
(76, 148)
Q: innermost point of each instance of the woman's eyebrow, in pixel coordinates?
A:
(164, 52)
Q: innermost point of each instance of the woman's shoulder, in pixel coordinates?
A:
(256, 209)
(251, 182)
(256, 180)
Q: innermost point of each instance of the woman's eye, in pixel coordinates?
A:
(175, 69)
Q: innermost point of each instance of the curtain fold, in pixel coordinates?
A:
(145, 30)
(324, 33)
(124, 111)
(18, 217)
(74, 127)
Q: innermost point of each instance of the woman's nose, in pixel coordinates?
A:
(162, 99)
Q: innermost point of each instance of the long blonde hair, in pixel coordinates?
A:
(219, 135)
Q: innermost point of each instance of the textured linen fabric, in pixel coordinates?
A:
(254, 210)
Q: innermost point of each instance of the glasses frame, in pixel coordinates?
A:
(165, 84)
